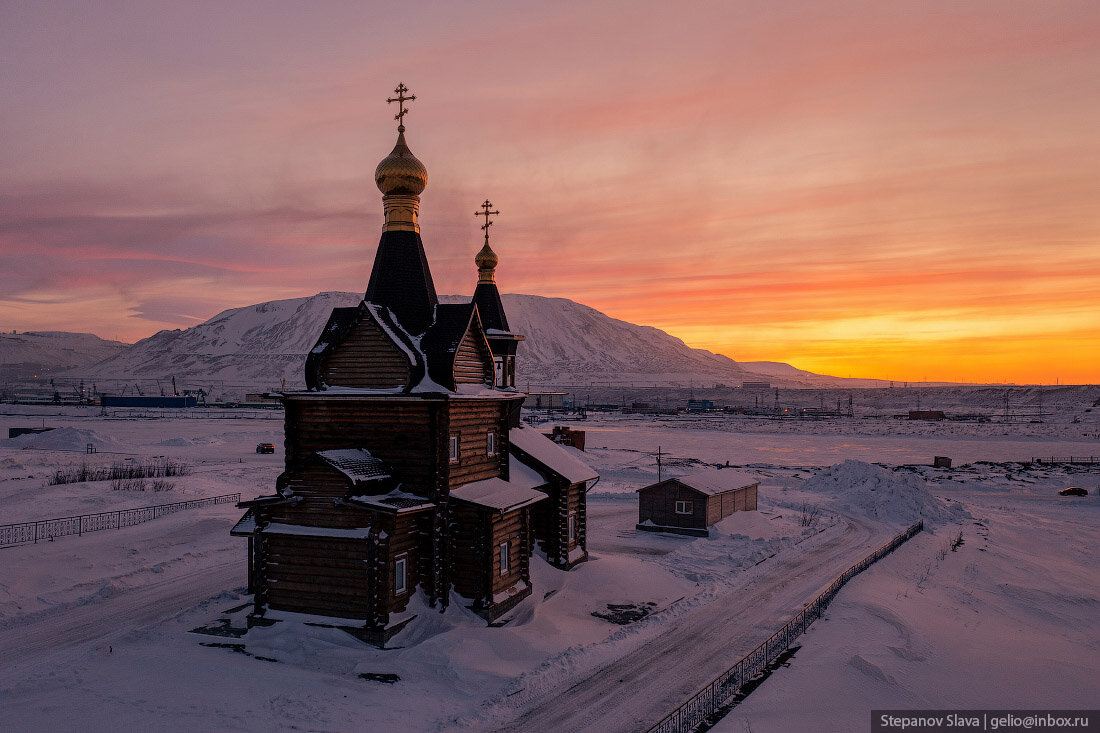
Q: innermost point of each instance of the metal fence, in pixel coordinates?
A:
(47, 529)
(707, 701)
(1085, 460)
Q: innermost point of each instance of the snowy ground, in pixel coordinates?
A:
(96, 631)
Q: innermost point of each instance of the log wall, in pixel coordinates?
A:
(472, 420)
(322, 575)
(318, 485)
(401, 433)
(337, 576)
(473, 362)
(470, 536)
(550, 521)
(510, 527)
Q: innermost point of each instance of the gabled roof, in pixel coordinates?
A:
(496, 493)
(357, 464)
(713, 481)
(562, 460)
(440, 344)
(340, 324)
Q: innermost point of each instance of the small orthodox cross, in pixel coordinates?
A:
(486, 212)
(401, 99)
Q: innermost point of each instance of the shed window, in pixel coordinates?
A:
(503, 558)
(400, 581)
(453, 448)
(491, 443)
(684, 507)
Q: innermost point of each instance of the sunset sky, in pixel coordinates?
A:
(907, 190)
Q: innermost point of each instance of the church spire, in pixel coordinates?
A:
(400, 279)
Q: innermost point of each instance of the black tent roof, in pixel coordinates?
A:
(401, 280)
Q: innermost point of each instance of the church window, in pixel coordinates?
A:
(400, 581)
(453, 448)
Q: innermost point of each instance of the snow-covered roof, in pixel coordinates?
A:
(246, 525)
(496, 493)
(395, 501)
(714, 481)
(354, 533)
(356, 463)
(562, 460)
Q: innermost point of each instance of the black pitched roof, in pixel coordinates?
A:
(440, 343)
(490, 307)
(401, 280)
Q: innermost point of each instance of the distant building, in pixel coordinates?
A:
(107, 400)
(16, 432)
(690, 504)
(927, 415)
(563, 435)
(261, 398)
(756, 385)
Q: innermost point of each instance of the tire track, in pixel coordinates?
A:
(647, 683)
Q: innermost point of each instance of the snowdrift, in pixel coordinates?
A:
(67, 439)
(865, 490)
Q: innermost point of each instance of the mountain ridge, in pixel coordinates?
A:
(263, 346)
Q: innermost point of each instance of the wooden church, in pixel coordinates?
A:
(407, 468)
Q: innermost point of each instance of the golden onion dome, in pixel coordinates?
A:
(486, 259)
(400, 172)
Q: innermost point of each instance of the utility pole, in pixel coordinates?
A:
(658, 464)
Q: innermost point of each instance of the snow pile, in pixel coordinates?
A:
(68, 439)
(862, 489)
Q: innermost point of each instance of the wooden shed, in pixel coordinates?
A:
(690, 504)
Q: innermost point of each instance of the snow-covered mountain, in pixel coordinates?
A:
(23, 355)
(260, 346)
(573, 344)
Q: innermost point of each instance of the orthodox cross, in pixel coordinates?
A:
(487, 212)
(401, 99)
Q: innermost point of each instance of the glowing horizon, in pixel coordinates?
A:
(906, 193)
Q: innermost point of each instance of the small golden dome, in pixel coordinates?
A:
(486, 259)
(400, 172)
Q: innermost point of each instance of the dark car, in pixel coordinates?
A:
(1073, 491)
(265, 448)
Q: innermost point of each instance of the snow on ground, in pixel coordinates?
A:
(1007, 620)
(97, 629)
